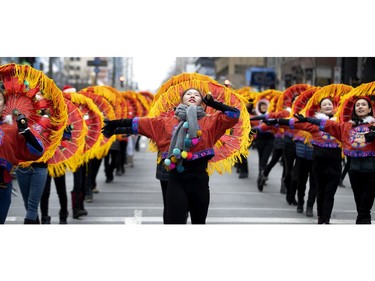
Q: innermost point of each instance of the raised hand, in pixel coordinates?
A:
(301, 118)
(22, 123)
(67, 135)
(208, 99)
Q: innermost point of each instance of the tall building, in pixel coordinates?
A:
(322, 71)
(205, 66)
(128, 74)
(185, 64)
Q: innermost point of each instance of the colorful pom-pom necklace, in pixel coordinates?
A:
(175, 161)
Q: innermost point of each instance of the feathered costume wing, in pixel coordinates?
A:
(235, 142)
(30, 92)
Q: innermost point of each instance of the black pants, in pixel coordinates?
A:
(120, 167)
(243, 165)
(363, 188)
(188, 192)
(345, 169)
(164, 187)
(277, 154)
(327, 171)
(264, 146)
(80, 179)
(94, 166)
(304, 172)
(289, 160)
(110, 163)
(61, 193)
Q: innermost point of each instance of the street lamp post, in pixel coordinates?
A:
(122, 80)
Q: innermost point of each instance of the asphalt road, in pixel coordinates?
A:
(135, 198)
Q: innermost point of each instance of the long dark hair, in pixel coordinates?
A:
(2, 90)
(357, 120)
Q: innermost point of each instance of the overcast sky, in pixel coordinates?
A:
(150, 72)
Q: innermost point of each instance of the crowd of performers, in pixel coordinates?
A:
(46, 132)
(197, 126)
(68, 130)
(313, 131)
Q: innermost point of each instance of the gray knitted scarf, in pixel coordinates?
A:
(184, 113)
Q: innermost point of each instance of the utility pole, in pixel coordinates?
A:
(50, 67)
(114, 73)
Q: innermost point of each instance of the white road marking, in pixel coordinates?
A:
(210, 220)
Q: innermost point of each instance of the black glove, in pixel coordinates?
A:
(113, 124)
(31, 139)
(283, 121)
(209, 101)
(108, 133)
(123, 131)
(118, 131)
(260, 117)
(370, 136)
(22, 123)
(301, 118)
(67, 135)
(271, 122)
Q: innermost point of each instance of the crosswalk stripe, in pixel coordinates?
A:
(211, 209)
(210, 220)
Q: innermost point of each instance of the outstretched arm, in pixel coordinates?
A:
(119, 126)
(277, 121)
(210, 101)
(23, 129)
(259, 117)
(303, 119)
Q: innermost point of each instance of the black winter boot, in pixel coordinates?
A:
(81, 203)
(63, 217)
(300, 207)
(283, 188)
(322, 220)
(363, 221)
(309, 211)
(46, 220)
(29, 221)
(75, 206)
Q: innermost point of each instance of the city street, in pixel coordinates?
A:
(135, 198)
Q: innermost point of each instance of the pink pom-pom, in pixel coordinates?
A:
(194, 141)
